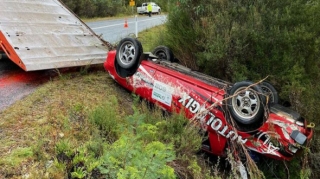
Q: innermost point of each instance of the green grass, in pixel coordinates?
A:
(32, 127)
(17, 156)
(151, 38)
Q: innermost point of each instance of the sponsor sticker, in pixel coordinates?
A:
(162, 92)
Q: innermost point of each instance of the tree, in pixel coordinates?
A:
(97, 8)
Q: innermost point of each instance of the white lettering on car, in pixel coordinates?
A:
(195, 106)
(189, 103)
(184, 98)
(232, 135)
(214, 122)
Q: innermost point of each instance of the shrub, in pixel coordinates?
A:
(96, 8)
(238, 40)
(131, 157)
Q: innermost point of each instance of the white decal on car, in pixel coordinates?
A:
(161, 92)
(224, 130)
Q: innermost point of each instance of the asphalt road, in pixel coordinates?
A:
(113, 30)
(15, 83)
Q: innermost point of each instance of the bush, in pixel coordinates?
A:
(131, 157)
(239, 40)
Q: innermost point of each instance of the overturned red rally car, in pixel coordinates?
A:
(242, 112)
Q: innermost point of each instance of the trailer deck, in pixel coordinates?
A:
(45, 34)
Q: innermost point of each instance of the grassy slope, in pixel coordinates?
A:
(31, 127)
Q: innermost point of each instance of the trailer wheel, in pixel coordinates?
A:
(128, 53)
(246, 105)
(164, 53)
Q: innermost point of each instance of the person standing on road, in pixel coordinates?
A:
(149, 7)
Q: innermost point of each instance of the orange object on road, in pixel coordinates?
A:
(125, 23)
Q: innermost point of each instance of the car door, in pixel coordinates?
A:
(179, 92)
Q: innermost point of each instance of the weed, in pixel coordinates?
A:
(58, 170)
(17, 156)
(80, 157)
(76, 113)
(38, 149)
(96, 146)
(195, 168)
(79, 172)
(64, 147)
(130, 156)
(84, 69)
(216, 168)
(81, 163)
(106, 119)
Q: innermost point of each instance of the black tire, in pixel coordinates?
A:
(270, 92)
(163, 53)
(159, 12)
(128, 53)
(246, 106)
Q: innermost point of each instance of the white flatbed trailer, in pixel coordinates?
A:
(45, 34)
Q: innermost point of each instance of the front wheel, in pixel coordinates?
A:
(246, 104)
(128, 53)
(163, 53)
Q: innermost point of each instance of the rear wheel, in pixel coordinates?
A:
(246, 104)
(128, 53)
(270, 92)
(164, 53)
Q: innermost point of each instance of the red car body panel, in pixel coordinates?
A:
(179, 92)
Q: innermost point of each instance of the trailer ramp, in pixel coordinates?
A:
(45, 34)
